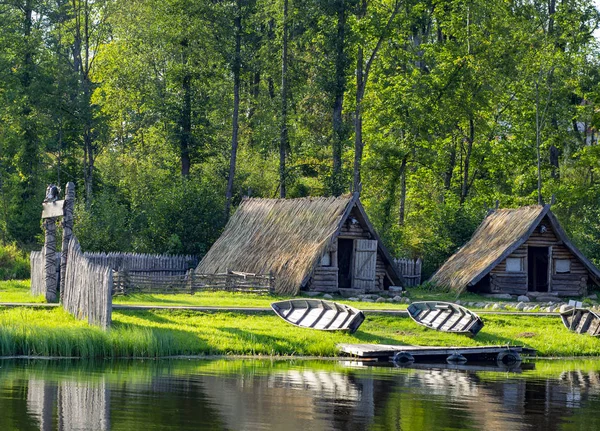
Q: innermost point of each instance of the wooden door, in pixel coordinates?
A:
(365, 264)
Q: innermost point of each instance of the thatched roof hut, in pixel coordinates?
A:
(291, 238)
(519, 251)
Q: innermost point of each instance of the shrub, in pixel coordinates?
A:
(14, 264)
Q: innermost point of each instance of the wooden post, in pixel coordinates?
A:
(192, 279)
(67, 232)
(50, 259)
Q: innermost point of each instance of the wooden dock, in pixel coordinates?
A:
(386, 351)
(473, 367)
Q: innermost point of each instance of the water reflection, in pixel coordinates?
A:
(255, 395)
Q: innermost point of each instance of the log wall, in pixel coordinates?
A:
(354, 230)
(324, 279)
(569, 284)
(514, 283)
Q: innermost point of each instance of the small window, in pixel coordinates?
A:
(326, 259)
(514, 264)
(562, 266)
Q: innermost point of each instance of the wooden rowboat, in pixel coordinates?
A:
(319, 314)
(446, 317)
(582, 321)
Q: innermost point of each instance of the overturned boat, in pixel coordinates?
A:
(446, 317)
(319, 314)
(582, 321)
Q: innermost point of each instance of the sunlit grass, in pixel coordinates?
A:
(18, 291)
(25, 331)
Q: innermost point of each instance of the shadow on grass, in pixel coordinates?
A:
(151, 316)
(132, 340)
(141, 298)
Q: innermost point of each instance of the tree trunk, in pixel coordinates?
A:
(551, 12)
(450, 168)
(360, 92)
(81, 63)
(283, 138)
(538, 144)
(185, 137)
(358, 141)
(467, 161)
(29, 159)
(402, 210)
(236, 106)
(339, 89)
(88, 143)
(362, 77)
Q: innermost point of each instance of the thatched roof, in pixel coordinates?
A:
(500, 234)
(286, 237)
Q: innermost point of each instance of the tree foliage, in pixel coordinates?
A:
(458, 103)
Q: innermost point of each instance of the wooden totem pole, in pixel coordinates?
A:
(52, 209)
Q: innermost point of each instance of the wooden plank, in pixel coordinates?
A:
(509, 275)
(52, 209)
(385, 350)
(365, 260)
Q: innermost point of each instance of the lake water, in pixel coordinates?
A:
(294, 395)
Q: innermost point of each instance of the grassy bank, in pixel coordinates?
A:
(165, 333)
(19, 291)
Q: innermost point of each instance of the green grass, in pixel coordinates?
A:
(232, 299)
(18, 291)
(36, 332)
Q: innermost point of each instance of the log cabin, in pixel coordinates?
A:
(519, 251)
(324, 244)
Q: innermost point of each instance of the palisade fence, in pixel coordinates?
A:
(37, 264)
(410, 270)
(87, 288)
(153, 273)
(145, 264)
(127, 282)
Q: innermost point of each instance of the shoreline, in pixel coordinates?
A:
(527, 359)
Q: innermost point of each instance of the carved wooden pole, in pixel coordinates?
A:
(50, 258)
(52, 210)
(67, 232)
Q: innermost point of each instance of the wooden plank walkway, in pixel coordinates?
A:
(388, 350)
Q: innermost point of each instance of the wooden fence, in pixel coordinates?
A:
(87, 288)
(37, 264)
(145, 264)
(125, 282)
(410, 270)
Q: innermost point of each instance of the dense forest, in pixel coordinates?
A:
(165, 113)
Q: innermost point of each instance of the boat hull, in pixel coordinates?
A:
(319, 314)
(445, 317)
(582, 321)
